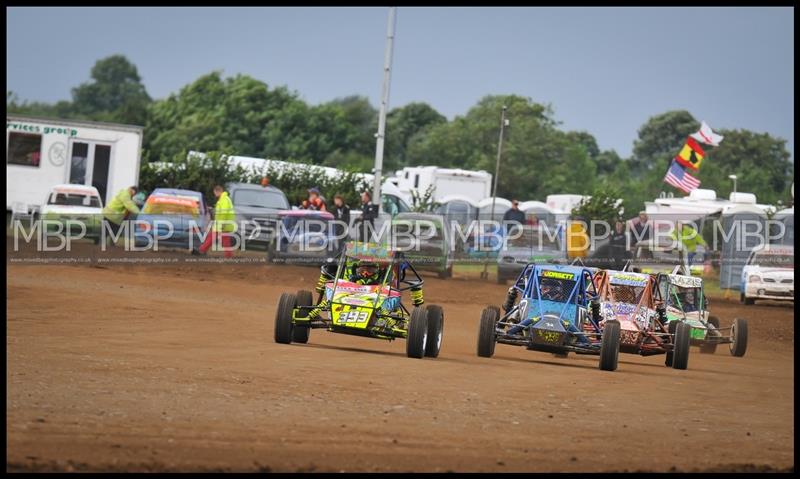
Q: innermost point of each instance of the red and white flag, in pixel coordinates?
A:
(706, 135)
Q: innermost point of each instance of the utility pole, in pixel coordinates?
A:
(387, 75)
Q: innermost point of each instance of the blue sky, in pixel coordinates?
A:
(604, 70)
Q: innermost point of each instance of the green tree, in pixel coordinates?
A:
(239, 113)
(402, 124)
(760, 162)
(116, 93)
(537, 158)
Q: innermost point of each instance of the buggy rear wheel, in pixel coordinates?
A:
(671, 327)
(680, 359)
(283, 318)
(417, 332)
(609, 346)
(486, 342)
(300, 333)
(435, 330)
(738, 344)
(711, 347)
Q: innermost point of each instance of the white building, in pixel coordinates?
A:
(43, 152)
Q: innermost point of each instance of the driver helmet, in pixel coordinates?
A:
(367, 271)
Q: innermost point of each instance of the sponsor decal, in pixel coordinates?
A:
(685, 281)
(557, 275)
(628, 279)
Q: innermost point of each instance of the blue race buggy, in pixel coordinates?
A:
(552, 308)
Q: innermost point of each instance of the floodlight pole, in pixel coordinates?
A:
(499, 151)
(387, 74)
(485, 272)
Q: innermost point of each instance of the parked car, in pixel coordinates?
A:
(78, 204)
(434, 251)
(174, 218)
(534, 245)
(303, 236)
(257, 210)
(768, 274)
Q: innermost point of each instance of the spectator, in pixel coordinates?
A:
(513, 217)
(618, 245)
(369, 212)
(642, 227)
(316, 201)
(341, 214)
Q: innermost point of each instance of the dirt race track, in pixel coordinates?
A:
(173, 367)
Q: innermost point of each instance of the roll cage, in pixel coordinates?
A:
(396, 269)
(583, 292)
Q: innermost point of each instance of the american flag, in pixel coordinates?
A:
(677, 177)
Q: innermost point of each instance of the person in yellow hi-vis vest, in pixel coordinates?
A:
(577, 239)
(224, 223)
(118, 210)
(688, 239)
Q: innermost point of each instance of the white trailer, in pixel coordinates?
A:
(43, 152)
(475, 185)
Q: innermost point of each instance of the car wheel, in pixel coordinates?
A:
(501, 279)
(486, 340)
(609, 346)
(283, 318)
(682, 337)
(711, 347)
(738, 345)
(417, 332)
(563, 355)
(435, 330)
(748, 301)
(300, 333)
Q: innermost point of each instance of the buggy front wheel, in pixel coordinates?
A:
(609, 346)
(283, 318)
(417, 333)
(300, 333)
(486, 341)
(738, 344)
(435, 330)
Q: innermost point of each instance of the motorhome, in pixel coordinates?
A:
(445, 182)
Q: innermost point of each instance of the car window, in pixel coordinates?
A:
(73, 199)
(260, 199)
